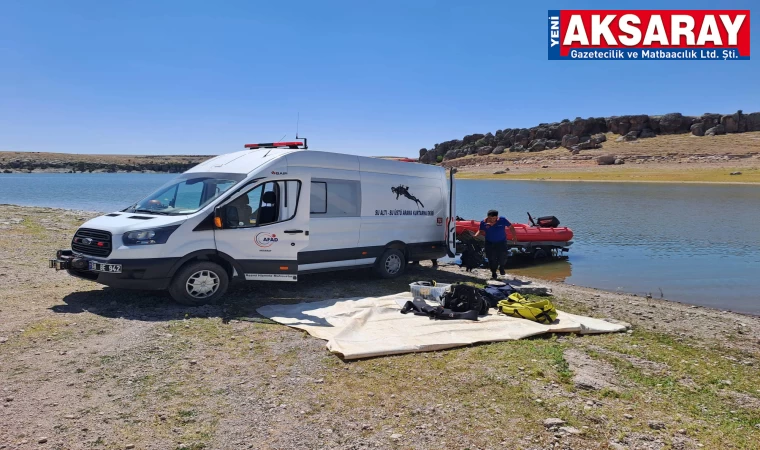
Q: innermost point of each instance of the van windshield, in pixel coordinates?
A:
(186, 194)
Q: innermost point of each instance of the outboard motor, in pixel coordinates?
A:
(544, 222)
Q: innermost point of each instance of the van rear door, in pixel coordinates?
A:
(451, 219)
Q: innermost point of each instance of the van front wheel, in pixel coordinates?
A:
(391, 264)
(199, 283)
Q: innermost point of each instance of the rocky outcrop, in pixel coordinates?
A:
(753, 122)
(675, 123)
(716, 130)
(569, 140)
(583, 134)
(628, 137)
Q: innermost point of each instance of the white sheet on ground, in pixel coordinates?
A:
(373, 326)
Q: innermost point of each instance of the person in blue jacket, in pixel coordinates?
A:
(494, 228)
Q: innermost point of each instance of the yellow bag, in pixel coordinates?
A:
(542, 311)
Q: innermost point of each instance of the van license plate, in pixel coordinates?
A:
(103, 267)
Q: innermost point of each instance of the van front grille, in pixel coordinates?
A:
(92, 242)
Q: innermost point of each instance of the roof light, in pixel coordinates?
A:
(295, 144)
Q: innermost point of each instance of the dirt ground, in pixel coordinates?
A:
(83, 366)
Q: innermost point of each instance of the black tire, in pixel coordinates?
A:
(202, 272)
(390, 264)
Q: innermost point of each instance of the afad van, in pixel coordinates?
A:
(269, 213)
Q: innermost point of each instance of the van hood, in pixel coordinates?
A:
(120, 222)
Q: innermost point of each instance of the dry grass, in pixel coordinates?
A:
(668, 158)
(638, 173)
(684, 145)
(663, 145)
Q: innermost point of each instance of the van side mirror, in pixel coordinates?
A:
(219, 217)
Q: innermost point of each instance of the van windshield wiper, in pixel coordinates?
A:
(152, 211)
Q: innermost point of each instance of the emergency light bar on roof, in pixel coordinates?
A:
(294, 144)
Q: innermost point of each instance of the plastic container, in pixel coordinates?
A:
(426, 291)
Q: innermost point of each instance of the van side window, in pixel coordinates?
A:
(271, 202)
(335, 198)
(318, 197)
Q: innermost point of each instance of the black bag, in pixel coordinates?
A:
(421, 308)
(463, 297)
(547, 222)
(472, 256)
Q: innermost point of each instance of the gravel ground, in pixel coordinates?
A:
(84, 366)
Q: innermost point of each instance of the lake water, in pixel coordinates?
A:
(694, 243)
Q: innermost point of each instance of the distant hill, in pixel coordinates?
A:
(77, 163)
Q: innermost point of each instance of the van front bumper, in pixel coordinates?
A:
(146, 274)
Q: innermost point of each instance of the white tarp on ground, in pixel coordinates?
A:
(373, 326)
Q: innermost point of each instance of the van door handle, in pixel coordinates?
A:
(293, 231)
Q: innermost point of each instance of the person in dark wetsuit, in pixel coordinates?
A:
(404, 190)
(494, 228)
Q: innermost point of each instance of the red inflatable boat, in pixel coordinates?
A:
(525, 233)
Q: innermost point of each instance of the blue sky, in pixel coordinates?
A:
(372, 78)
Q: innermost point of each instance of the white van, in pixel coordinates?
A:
(269, 213)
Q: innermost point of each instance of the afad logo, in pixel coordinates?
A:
(649, 34)
(265, 239)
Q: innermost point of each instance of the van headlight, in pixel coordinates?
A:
(148, 237)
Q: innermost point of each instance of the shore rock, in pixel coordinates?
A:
(569, 140)
(716, 130)
(628, 137)
(698, 129)
(710, 120)
(606, 160)
(553, 422)
(537, 145)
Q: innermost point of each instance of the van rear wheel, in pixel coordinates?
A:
(199, 283)
(391, 264)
